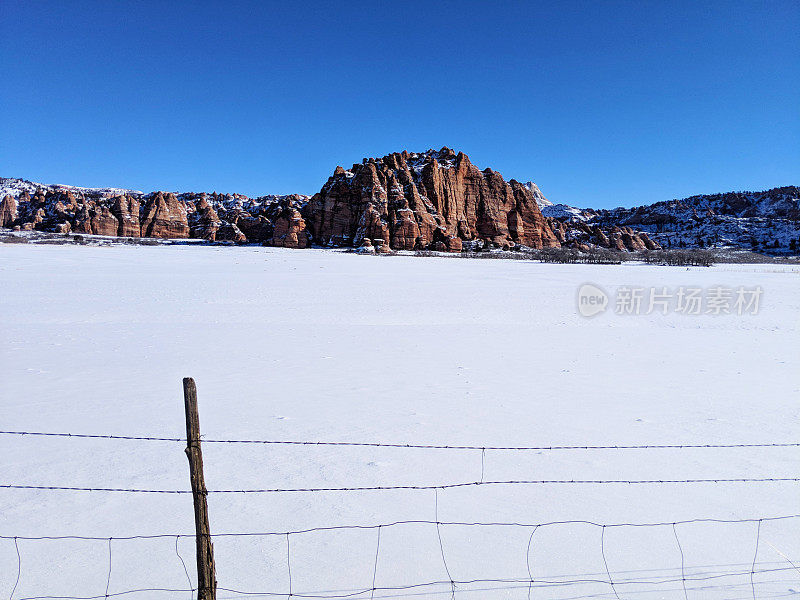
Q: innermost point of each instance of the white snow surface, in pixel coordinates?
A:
(323, 345)
(563, 211)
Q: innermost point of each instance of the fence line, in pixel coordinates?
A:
(440, 486)
(618, 582)
(398, 445)
(389, 524)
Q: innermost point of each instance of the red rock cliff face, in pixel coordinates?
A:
(8, 211)
(431, 200)
(164, 216)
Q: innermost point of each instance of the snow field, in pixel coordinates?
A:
(322, 345)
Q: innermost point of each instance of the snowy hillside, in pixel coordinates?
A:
(323, 345)
(13, 187)
(564, 212)
(767, 222)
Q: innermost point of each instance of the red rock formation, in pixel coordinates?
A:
(8, 212)
(421, 200)
(228, 232)
(290, 230)
(648, 243)
(578, 234)
(257, 228)
(206, 222)
(126, 210)
(164, 216)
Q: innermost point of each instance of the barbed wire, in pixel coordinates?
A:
(440, 486)
(609, 577)
(400, 445)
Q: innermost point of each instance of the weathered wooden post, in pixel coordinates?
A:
(206, 577)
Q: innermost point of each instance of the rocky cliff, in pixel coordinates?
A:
(767, 221)
(269, 220)
(433, 200)
(583, 236)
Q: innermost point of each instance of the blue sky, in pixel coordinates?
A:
(601, 103)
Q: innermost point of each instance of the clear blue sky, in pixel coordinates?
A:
(601, 103)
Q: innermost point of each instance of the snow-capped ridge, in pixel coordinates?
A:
(14, 187)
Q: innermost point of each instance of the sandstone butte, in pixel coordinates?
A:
(404, 201)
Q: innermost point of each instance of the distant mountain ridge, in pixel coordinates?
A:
(766, 221)
(13, 187)
(429, 200)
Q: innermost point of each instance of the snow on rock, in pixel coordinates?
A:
(16, 187)
(271, 220)
(565, 212)
(767, 221)
(537, 194)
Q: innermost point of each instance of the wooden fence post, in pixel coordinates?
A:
(206, 577)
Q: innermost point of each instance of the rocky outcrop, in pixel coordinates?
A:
(579, 234)
(767, 222)
(164, 216)
(416, 201)
(270, 220)
(205, 221)
(97, 220)
(126, 210)
(8, 211)
(290, 230)
(228, 232)
(434, 200)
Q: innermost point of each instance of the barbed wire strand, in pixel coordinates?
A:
(400, 445)
(440, 486)
(755, 556)
(419, 522)
(683, 571)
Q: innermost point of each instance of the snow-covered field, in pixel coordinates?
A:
(322, 345)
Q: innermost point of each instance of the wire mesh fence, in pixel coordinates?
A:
(686, 578)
